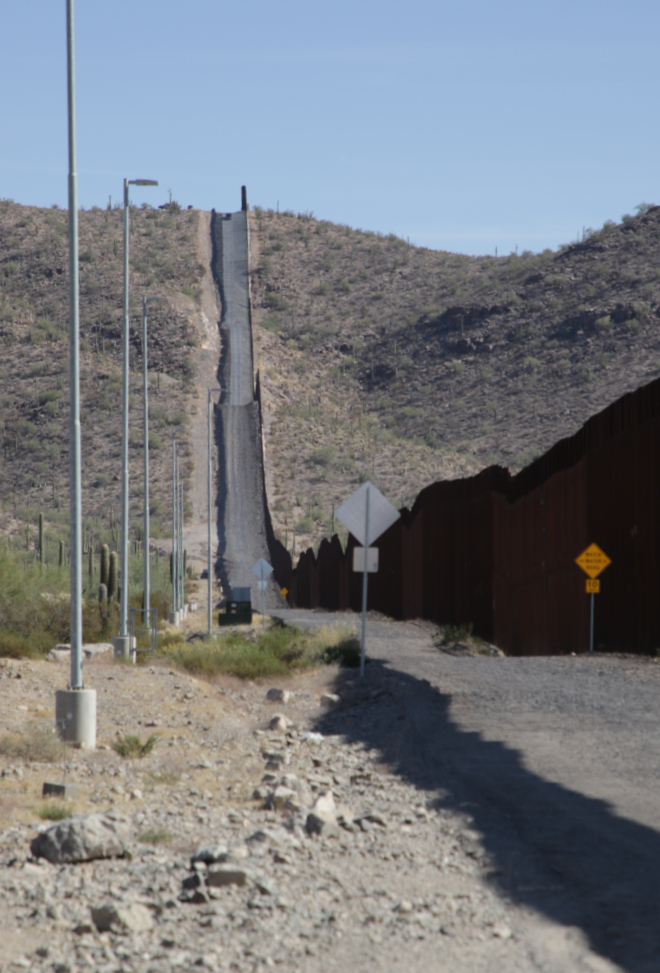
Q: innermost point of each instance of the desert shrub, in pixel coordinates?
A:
(130, 745)
(34, 606)
(279, 650)
(38, 743)
(457, 633)
(324, 456)
(155, 836)
(54, 811)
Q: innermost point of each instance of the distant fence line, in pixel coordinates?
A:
(499, 551)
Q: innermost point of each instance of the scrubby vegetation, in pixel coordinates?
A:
(34, 403)
(279, 650)
(405, 365)
(38, 743)
(129, 745)
(35, 606)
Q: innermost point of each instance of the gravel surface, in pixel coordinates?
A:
(491, 815)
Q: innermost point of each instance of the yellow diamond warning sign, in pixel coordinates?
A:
(593, 560)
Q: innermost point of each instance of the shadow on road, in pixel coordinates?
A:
(550, 848)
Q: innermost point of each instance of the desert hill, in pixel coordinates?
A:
(377, 359)
(406, 365)
(34, 367)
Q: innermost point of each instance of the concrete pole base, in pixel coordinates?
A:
(174, 618)
(123, 646)
(75, 717)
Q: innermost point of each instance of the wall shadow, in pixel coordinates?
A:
(545, 846)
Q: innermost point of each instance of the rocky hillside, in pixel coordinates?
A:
(404, 365)
(34, 410)
(378, 360)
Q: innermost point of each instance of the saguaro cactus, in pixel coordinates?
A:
(61, 557)
(42, 551)
(103, 607)
(112, 576)
(105, 564)
(91, 560)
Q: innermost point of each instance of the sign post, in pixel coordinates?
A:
(592, 561)
(366, 514)
(262, 569)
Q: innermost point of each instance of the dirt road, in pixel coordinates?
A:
(557, 761)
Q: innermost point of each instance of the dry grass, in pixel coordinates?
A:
(131, 746)
(54, 811)
(38, 743)
(279, 651)
(155, 836)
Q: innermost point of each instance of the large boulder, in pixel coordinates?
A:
(82, 838)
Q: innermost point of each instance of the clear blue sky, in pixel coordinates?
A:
(464, 126)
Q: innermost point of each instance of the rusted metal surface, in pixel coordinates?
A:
(499, 551)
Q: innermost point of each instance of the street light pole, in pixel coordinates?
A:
(75, 707)
(175, 533)
(122, 642)
(182, 598)
(210, 487)
(145, 403)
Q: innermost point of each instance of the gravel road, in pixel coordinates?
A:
(556, 759)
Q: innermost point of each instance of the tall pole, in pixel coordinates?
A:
(175, 585)
(364, 588)
(210, 538)
(181, 582)
(123, 598)
(75, 707)
(123, 605)
(591, 630)
(75, 463)
(145, 403)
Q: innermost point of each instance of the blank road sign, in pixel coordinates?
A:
(593, 560)
(353, 513)
(262, 569)
(372, 559)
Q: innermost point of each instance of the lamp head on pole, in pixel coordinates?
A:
(142, 182)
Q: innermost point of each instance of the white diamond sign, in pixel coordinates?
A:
(262, 569)
(353, 513)
(367, 514)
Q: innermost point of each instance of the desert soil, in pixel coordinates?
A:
(499, 815)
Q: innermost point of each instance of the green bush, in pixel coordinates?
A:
(131, 745)
(54, 811)
(324, 456)
(280, 650)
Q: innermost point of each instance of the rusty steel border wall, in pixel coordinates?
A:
(499, 551)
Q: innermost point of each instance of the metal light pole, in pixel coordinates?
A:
(122, 642)
(75, 707)
(210, 488)
(182, 598)
(145, 402)
(175, 533)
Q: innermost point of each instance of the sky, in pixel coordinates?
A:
(462, 126)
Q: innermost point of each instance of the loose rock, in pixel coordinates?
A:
(82, 837)
(122, 919)
(279, 723)
(278, 695)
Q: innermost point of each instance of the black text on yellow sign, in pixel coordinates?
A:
(593, 586)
